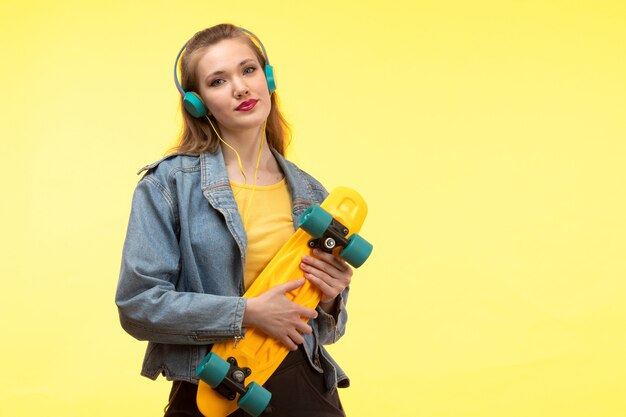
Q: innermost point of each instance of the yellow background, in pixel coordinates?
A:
(487, 137)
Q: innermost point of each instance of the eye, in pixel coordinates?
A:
(216, 82)
(249, 70)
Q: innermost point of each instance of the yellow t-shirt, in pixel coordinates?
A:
(268, 224)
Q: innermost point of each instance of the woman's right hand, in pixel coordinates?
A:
(277, 316)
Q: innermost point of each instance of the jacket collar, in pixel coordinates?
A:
(299, 187)
(213, 170)
(216, 185)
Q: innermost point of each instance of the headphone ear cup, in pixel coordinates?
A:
(194, 105)
(269, 76)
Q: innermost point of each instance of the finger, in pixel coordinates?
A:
(304, 328)
(286, 340)
(331, 279)
(341, 264)
(337, 273)
(296, 337)
(307, 313)
(325, 288)
(289, 286)
(309, 262)
(321, 270)
(330, 265)
(334, 260)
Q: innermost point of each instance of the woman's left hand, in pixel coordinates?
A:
(327, 272)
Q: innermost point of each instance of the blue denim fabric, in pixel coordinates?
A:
(181, 279)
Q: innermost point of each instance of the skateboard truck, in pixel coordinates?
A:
(335, 235)
(234, 380)
(228, 379)
(328, 233)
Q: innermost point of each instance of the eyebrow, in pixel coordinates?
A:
(242, 63)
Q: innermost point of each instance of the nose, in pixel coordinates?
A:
(240, 88)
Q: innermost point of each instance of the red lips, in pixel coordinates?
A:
(247, 105)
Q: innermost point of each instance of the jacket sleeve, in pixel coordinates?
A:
(150, 307)
(331, 327)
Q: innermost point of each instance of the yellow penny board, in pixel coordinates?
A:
(263, 354)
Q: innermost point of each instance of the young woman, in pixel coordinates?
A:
(204, 222)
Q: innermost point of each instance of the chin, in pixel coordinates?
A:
(248, 124)
(254, 119)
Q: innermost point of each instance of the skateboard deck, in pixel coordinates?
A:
(259, 355)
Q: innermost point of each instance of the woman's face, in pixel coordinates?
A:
(229, 76)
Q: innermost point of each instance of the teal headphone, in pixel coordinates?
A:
(192, 101)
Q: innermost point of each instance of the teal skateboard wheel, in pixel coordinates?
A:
(315, 220)
(357, 251)
(212, 369)
(255, 401)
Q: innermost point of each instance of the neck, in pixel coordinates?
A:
(246, 143)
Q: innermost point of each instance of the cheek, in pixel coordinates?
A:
(216, 102)
(260, 85)
(267, 105)
(264, 94)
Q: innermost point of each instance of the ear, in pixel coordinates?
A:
(194, 105)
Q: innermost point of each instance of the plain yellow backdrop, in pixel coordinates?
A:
(488, 138)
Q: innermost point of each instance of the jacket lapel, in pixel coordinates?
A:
(301, 194)
(216, 189)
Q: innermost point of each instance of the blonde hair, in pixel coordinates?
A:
(196, 135)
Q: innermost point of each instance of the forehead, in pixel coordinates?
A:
(224, 55)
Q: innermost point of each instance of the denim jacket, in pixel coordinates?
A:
(181, 278)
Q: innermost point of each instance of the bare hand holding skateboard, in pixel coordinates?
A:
(327, 272)
(278, 317)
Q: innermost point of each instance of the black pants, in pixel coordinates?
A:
(297, 390)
